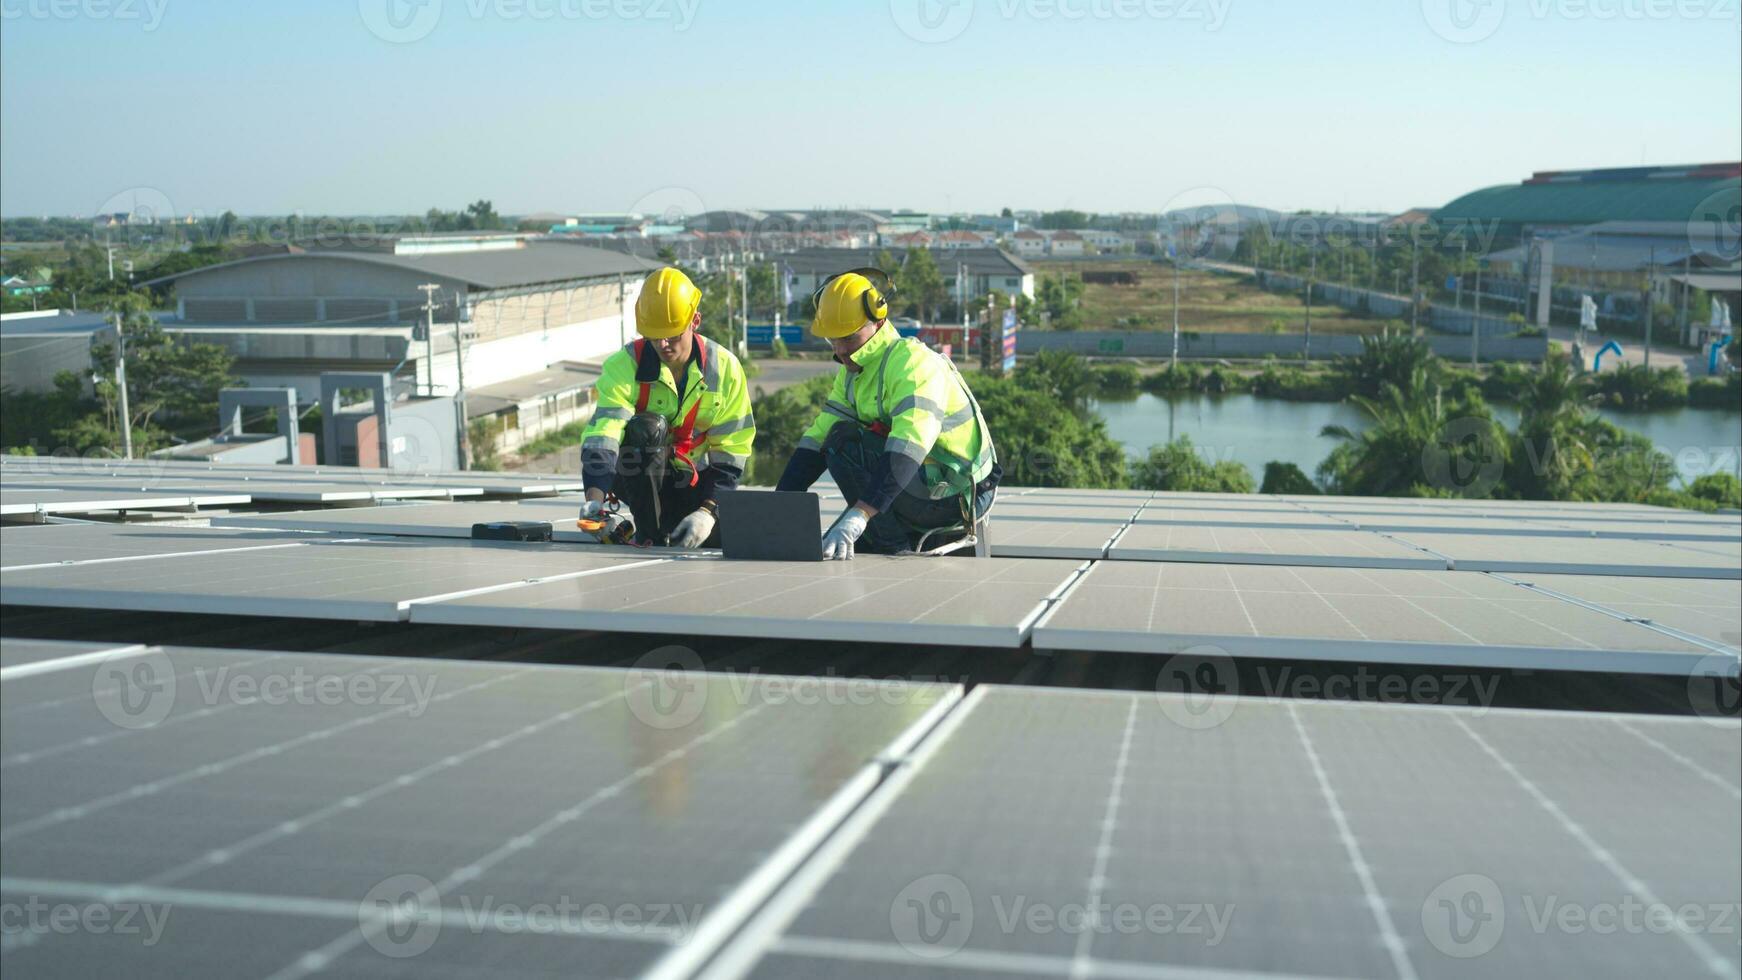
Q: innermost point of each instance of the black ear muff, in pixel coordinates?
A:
(876, 307)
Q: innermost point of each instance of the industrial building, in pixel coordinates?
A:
(1553, 201)
(518, 304)
(983, 269)
(37, 346)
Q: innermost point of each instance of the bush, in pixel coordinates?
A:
(1719, 489)
(1041, 442)
(1292, 383)
(1725, 392)
(1179, 466)
(1635, 387)
(781, 419)
(1118, 380)
(1280, 477)
(778, 347)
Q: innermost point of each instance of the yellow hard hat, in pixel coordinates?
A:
(667, 305)
(845, 303)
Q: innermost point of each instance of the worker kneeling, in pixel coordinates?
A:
(671, 425)
(900, 433)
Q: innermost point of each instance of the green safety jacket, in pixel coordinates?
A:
(710, 417)
(918, 401)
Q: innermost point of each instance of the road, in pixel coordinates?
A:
(1693, 363)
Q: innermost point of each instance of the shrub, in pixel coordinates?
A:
(1179, 465)
(1280, 477)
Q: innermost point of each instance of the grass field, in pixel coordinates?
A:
(1208, 302)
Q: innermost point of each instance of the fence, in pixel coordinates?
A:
(1391, 307)
(1252, 346)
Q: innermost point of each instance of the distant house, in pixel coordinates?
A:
(1103, 241)
(961, 239)
(26, 285)
(1065, 244)
(912, 239)
(1028, 243)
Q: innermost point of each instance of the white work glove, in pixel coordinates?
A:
(592, 510)
(693, 530)
(838, 541)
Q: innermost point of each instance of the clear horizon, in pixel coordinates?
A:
(388, 107)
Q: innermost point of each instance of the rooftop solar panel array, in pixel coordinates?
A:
(293, 815)
(1277, 838)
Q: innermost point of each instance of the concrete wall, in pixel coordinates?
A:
(1385, 305)
(1254, 346)
(512, 337)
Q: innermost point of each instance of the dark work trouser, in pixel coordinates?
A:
(850, 450)
(658, 494)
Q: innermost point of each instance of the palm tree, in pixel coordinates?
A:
(1417, 445)
(1552, 448)
(1385, 358)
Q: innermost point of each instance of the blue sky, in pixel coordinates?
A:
(386, 106)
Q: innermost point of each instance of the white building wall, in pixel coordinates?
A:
(517, 336)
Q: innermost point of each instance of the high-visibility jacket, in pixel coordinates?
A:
(917, 400)
(709, 413)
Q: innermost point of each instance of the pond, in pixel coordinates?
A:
(1253, 431)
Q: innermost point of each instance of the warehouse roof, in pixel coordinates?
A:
(526, 263)
(52, 323)
(1592, 196)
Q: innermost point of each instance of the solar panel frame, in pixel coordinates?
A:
(991, 602)
(1580, 556)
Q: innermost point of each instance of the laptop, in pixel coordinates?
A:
(768, 525)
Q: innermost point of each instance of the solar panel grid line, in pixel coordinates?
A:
(398, 781)
(1393, 943)
(1641, 621)
(1704, 773)
(94, 693)
(1710, 958)
(729, 916)
(739, 955)
(21, 671)
(137, 791)
(317, 960)
(98, 893)
(50, 751)
(1081, 963)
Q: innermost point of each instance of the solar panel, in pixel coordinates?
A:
(374, 580)
(969, 602)
(1267, 546)
(1351, 614)
(22, 547)
(422, 816)
(1581, 556)
(1154, 836)
(240, 491)
(443, 520)
(1708, 609)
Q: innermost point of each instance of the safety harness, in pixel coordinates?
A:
(683, 438)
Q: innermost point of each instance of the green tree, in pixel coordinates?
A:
(1551, 457)
(1386, 358)
(1180, 466)
(1281, 477)
(922, 285)
(1043, 443)
(1417, 443)
(781, 418)
(1065, 378)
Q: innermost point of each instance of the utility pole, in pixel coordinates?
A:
(1476, 319)
(1650, 275)
(1312, 271)
(1458, 297)
(110, 249)
(121, 383)
(460, 396)
(1175, 363)
(744, 309)
(622, 317)
(429, 291)
(1687, 287)
(1414, 281)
